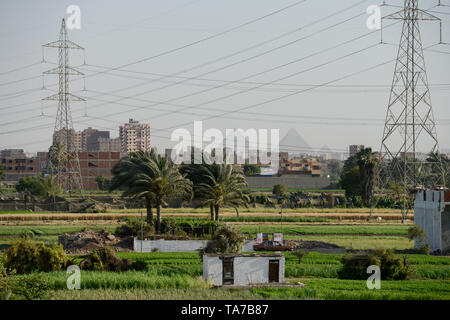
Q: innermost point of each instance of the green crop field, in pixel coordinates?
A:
(179, 275)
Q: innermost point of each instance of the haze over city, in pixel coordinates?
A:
(231, 71)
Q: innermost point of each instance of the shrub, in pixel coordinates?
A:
(416, 233)
(139, 265)
(300, 254)
(392, 268)
(23, 287)
(227, 239)
(2, 267)
(105, 259)
(425, 249)
(133, 228)
(279, 189)
(25, 256)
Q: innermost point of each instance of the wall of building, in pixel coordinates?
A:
(431, 213)
(179, 245)
(212, 270)
(246, 270)
(93, 164)
(291, 181)
(17, 165)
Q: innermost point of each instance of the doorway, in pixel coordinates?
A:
(274, 271)
(228, 271)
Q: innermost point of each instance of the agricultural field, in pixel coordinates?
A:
(179, 275)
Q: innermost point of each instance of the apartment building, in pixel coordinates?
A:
(134, 136)
(17, 165)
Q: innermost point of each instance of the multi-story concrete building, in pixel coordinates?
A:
(134, 136)
(93, 164)
(17, 165)
(107, 145)
(299, 165)
(354, 149)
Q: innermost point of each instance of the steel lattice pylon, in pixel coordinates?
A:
(409, 146)
(65, 166)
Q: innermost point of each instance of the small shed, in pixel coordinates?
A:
(432, 214)
(243, 269)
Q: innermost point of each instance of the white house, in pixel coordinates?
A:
(243, 269)
(432, 214)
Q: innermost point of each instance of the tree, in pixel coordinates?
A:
(351, 183)
(164, 182)
(368, 165)
(101, 182)
(252, 169)
(38, 187)
(223, 186)
(279, 190)
(300, 254)
(195, 173)
(125, 173)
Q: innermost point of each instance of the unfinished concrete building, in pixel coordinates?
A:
(432, 214)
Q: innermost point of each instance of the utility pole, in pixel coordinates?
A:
(67, 168)
(409, 146)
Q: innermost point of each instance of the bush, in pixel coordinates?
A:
(2, 267)
(25, 256)
(300, 254)
(105, 259)
(139, 265)
(192, 227)
(392, 268)
(227, 239)
(416, 233)
(23, 287)
(279, 189)
(133, 228)
(425, 249)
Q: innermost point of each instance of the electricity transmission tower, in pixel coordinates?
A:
(409, 147)
(64, 162)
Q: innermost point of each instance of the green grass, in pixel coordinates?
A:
(333, 289)
(314, 264)
(327, 229)
(127, 280)
(152, 294)
(52, 229)
(179, 276)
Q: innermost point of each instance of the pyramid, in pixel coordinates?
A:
(294, 143)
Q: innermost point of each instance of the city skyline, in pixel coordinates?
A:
(329, 119)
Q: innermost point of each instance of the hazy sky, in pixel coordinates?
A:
(118, 33)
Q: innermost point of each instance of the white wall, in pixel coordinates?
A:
(212, 270)
(247, 270)
(179, 245)
(427, 215)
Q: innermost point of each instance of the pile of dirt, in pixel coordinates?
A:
(86, 241)
(318, 246)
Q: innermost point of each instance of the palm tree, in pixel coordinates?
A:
(152, 177)
(368, 165)
(194, 172)
(125, 173)
(222, 187)
(164, 182)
